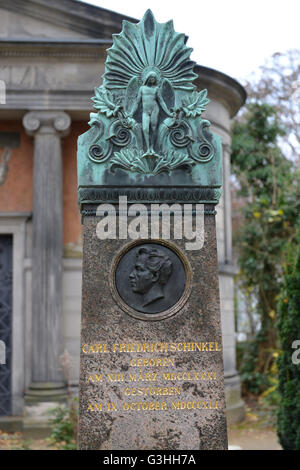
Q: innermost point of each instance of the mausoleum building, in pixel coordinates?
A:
(52, 57)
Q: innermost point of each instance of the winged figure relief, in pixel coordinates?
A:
(148, 99)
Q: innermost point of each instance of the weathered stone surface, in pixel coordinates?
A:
(105, 322)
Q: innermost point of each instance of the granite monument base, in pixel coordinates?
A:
(151, 357)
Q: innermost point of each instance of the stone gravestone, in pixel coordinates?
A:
(149, 177)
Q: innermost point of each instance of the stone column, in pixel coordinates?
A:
(227, 204)
(234, 403)
(227, 96)
(47, 127)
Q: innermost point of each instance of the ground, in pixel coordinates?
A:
(256, 432)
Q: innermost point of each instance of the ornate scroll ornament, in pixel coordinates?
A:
(148, 116)
(50, 121)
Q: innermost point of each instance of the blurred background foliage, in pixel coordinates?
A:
(265, 165)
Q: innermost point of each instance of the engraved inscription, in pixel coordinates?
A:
(152, 377)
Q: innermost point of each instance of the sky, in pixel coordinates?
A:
(232, 36)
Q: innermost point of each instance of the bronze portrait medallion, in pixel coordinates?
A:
(150, 279)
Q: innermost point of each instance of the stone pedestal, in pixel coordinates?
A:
(154, 381)
(46, 374)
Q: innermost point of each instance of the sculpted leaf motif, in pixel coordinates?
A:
(152, 164)
(178, 159)
(104, 102)
(195, 104)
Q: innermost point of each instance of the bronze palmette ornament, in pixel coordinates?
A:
(148, 122)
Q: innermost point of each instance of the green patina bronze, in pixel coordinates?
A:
(148, 140)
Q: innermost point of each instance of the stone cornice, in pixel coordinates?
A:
(222, 87)
(20, 100)
(228, 269)
(90, 197)
(15, 215)
(70, 48)
(73, 15)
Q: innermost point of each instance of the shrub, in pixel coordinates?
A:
(253, 381)
(288, 423)
(64, 425)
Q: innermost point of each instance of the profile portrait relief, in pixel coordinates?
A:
(149, 278)
(151, 272)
